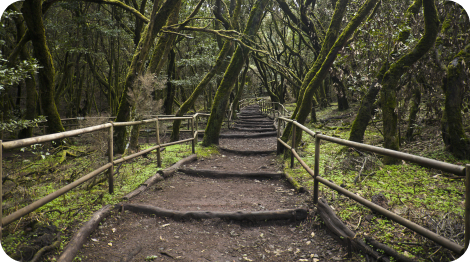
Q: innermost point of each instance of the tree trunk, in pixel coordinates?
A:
(331, 35)
(136, 68)
(414, 109)
(322, 72)
(164, 45)
(236, 101)
(453, 133)
(30, 82)
(170, 88)
(211, 134)
(366, 108)
(32, 13)
(392, 76)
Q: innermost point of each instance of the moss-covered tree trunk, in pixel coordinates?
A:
(366, 108)
(397, 69)
(453, 133)
(164, 44)
(414, 109)
(331, 35)
(157, 21)
(322, 72)
(200, 88)
(212, 131)
(32, 13)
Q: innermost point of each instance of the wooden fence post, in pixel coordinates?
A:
(467, 206)
(197, 128)
(157, 132)
(192, 133)
(1, 188)
(110, 159)
(294, 130)
(278, 147)
(316, 168)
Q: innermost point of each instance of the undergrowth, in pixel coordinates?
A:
(428, 197)
(34, 172)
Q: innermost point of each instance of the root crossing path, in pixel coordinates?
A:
(234, 206)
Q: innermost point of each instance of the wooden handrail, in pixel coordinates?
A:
(109, 166)
(459, 170)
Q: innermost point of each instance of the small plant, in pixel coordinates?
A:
(151, 258)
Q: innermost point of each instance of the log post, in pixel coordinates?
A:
(110, 159)
(316, 168)
(467, 206)
(294, 130)
(157, 132)
(193, 142)
(197, 128)
(1, 186)
(278, 147)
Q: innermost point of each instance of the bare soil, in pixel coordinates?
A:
(128, 236)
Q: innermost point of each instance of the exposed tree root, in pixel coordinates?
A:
(171, 170)
(389, 251)
(224, 174)
(343, 232)
(45, 249)
(253, 129)
(264, 134)
(149, 182)
(81, 236)
(295, 184)
(247, 152)
(286, 214)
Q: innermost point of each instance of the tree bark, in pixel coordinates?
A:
(322, 71)
(453, 133)
(170, 88)
(366, 108)
(397, 69)
(32, 13)
(414, 109)
(214, 124)
(157, 21)
(331, 35)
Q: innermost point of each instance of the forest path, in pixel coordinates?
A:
(244, 177)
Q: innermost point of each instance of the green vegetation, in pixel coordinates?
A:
(36, 171)
(428, 197)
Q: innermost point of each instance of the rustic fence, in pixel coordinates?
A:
(193, 120)
(268, 108)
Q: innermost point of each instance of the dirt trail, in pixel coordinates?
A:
(128, 236)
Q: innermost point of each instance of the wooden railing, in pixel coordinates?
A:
(109, 166)
(455, 169)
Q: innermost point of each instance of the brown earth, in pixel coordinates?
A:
(128, 236)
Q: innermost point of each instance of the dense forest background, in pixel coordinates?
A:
(64, 59)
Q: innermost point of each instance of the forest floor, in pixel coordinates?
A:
(130, 236)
